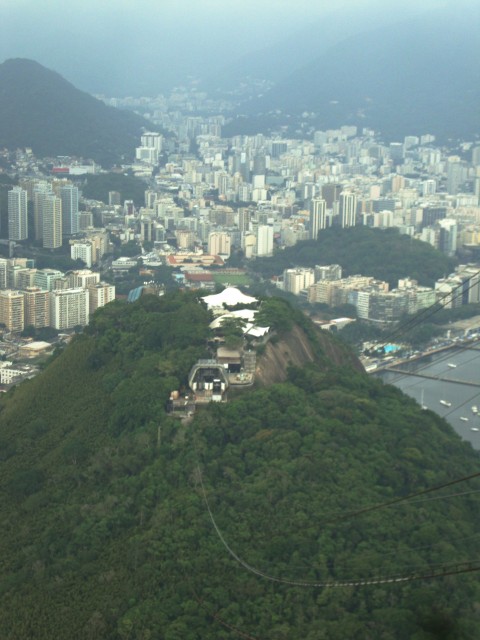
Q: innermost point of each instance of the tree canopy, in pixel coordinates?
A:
(384, 254)
(106, 533)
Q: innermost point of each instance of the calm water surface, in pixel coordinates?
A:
(461, 395)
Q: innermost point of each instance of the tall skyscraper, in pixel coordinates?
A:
(348, 209)
(52, 222)
(318, 217)
(17, 214)
(69, 196)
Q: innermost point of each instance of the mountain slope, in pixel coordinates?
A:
(41, 110)
(106, 533)
(416, 77)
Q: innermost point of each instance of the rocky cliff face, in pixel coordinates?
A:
(295, 349)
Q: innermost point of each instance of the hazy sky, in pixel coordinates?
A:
(100, 45)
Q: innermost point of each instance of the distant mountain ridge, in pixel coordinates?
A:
(420, 76)
(42, 110)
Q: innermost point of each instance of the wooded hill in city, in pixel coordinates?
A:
(106, 532)
(384, 254)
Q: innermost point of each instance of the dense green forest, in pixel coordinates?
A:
(105, 529)
(97, 187)
(41, 110)
(383, 254)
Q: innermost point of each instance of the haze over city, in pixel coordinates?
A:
(126, 47)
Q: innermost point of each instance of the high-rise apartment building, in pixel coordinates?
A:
(219, 243)
(24, 278)
(264, 240)
(40, 192)
(3, 273)
(12, 310)
(100, 294)
(69, 308)
(46, 278)
(82, 278)
(331, 193)
(295, 280)
(348, 209)
(318, 217)
(17, 214)
(82, 251)
(68, 194)
(37, 307)
(52, 222)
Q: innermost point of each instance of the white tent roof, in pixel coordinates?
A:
(244, 314)
(230, 297)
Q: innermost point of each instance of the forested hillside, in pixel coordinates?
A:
(106, 532)
(41, 110)
(383, 254)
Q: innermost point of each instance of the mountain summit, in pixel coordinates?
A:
(41, 110)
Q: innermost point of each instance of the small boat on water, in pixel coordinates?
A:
(463, 418)
(474, 429)
(474, 409)
(422, 403)
(445, 403)
(451, 365)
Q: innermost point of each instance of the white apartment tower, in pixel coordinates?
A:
(40, 192)
(318, 217)
(17, 214)
(69, 308)
(219, 243)
(348, 209)
(264, 240)
(82, 251)
(52, 222)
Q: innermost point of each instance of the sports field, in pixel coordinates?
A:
(234, 280)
